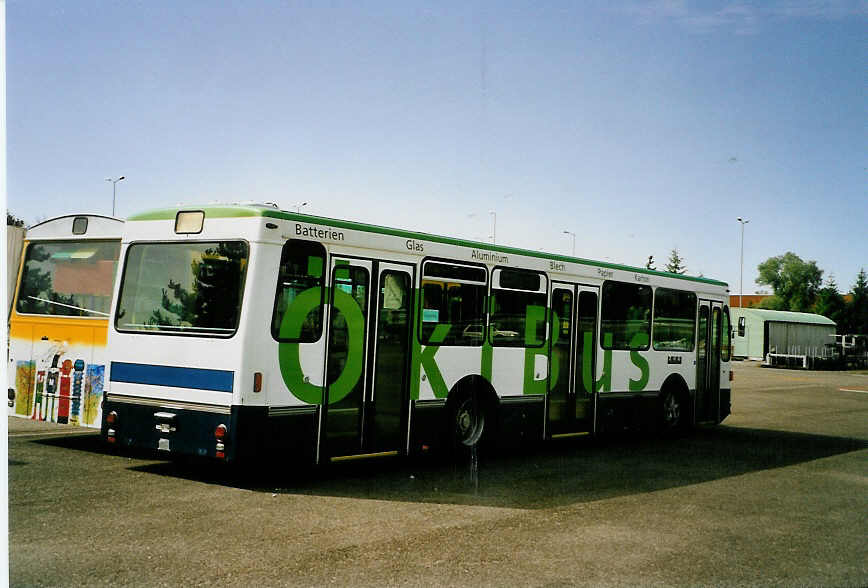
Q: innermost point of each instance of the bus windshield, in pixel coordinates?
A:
(68, 278)
(192, 288)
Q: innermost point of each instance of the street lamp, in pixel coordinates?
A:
(741, 263)
(298, 207)
(114, 190)
(573, 235)
(493, 226)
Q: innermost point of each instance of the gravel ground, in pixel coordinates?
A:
(776, 496)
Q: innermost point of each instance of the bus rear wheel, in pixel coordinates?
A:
(468, 421)
(672, 411)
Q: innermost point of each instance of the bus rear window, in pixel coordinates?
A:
(188, 288)
(68, 278)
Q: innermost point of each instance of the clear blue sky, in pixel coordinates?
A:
(639, 126)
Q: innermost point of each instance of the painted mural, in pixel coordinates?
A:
(57, 387)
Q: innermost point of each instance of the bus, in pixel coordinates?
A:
(59, 321)
(244, 331)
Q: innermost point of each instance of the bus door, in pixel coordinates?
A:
(366, 396)
(708, 362)
(571, 400)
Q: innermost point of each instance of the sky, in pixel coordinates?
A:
(641, 127)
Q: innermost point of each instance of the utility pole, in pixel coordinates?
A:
(114, 191)
(741, 263)
(573, 235)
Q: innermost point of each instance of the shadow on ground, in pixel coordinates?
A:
(554, 474)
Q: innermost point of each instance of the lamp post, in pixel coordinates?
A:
(493, 227)
(114, 190)
(298, 207)
(741, 263)
(573, 235)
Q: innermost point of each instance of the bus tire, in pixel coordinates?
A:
(673, 410)
(468, 420)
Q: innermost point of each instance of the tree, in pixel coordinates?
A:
(794, 281)
(675, 265)
(857, 310)
(773, 303)
(13, 221)
(650, 264)
(831, 304)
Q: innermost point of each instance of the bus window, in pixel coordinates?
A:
(674, 320)
(184, 287)
(301, 270)
(714, 342)
(726, 334)
(72, 278)
(452, 302)
(626, 316)
(515, 294)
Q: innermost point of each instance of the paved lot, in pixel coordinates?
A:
(777, 496)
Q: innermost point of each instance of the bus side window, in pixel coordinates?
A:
(726, 334)
(626, 316)
(514, 294)
(674, 320)
(453, 304)
(300, 290)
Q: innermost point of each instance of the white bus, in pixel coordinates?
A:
(242, 330)
(59, 322)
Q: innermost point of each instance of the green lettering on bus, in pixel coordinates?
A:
(605, 382)
(639, 340)
(487, 360)
(289, 353)
(535, 314)
(555, 330)
(588, 361)
(426, 358)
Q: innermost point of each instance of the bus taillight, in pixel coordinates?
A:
(111, 419)
(220, 435)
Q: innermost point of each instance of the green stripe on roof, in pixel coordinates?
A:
(230, 211)
(218, 211)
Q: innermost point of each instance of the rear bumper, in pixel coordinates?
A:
(178, 429)
(171, 427)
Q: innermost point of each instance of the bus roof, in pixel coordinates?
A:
(264, 210)
(76, 226)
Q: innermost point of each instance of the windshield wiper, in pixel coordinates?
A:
(68, 306)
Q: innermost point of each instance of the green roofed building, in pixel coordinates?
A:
(757, 333)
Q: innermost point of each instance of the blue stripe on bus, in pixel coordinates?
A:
(178, 377)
